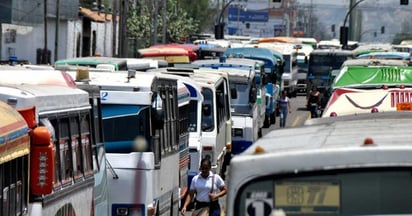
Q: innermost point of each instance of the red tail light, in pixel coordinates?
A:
(41, 162)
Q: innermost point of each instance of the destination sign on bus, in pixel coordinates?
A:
(308, 197)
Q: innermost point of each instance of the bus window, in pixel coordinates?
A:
(127, 126)
(337, 192)
(75, 147)
(193, 116)
(66, 169)
(85, 144)
(207, 110)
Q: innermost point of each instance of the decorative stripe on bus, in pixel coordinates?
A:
(400, 97)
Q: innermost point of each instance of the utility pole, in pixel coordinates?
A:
(114, 30)
(164, 22)
(156, 11)
(123, 24)
(45, 51)
(56, 36)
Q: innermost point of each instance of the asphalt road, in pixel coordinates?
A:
(295, 119)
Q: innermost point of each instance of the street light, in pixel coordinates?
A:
(220, 25)
(343, 29)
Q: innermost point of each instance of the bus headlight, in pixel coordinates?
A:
(122, 211)
(128, 210)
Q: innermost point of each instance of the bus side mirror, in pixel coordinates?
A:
(220, 99)
(233, 93)
(159, 119)
(253, 95)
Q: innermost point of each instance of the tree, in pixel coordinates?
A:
(202, 11)
(141, 23)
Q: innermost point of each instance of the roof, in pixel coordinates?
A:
(96, 16)
(358, 76)
(46, 98)
(386, 55)
(375, 62)
(280, 39)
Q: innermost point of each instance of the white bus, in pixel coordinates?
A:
(142, 130)
(56, 177)
(216, 122)
(43, 75)
(352, 165)
(195, 121)
(248, 107)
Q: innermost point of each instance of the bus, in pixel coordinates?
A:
(289, 78)
(41, 75)
(273, 69)
(173, 55)
(248, 114)
(380, 87)
(141, 136)
(192, 49)
(348, 165)
(94, 62)
(56, 176)
(109, 64)
(321, 63)
(195, 122)
(216, 120)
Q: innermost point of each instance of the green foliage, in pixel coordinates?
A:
(141, 23)
(202, 11)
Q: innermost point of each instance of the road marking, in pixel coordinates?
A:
(296, 120)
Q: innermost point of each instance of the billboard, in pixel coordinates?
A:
(238, 13)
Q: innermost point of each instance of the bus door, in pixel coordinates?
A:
(245, 128)
(215, 116)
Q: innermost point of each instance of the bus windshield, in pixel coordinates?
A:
(366, 191)
(240, 104)
(122, 128)
(286, 58)
(320, 65)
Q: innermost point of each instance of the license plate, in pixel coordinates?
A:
(404, 106)
(307, 197)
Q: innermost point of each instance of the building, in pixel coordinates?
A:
(65, 30)
(261, 18)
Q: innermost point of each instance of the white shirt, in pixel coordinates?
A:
(202, 186)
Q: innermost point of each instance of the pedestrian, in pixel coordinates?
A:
(313, 101)
(206, 187)
(284, 108)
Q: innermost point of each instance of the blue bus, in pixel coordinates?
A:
(273, 64)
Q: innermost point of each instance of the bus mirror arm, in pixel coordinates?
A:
(109, 166)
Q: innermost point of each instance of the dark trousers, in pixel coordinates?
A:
(214, 207)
